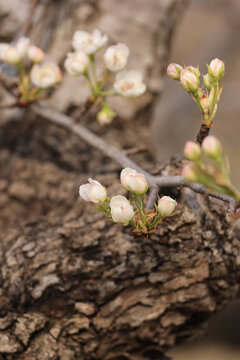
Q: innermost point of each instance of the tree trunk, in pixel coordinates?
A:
(73, 285)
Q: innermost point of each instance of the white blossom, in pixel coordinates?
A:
(22, 46)
(216, 68)
(76, 63)
(211, 147)
(189, 81)
(116, 57)
(93, 191)
(35, 54)
(88, 43)
(121, 210)
(11, 55)
(129, 83)
(3, 48)
(45, 75)
(166, 205)
(133, 181)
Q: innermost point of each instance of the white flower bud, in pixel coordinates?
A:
(189, 81)
(93, 192)
(174, 71)
(207, 81)
(133, 181)
(35, 54)
(76, 63)
(22, 46)
(116, 57)
(45, 75)
(88, 43)
(121, 210)
(194, 70)
(106, 115)
(216, 69)
(192, 151)
(3, 48)
(11, 55)
(211, 147)
(166, 205)
(129, 83)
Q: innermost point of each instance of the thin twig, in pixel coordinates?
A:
(119, 156)
(152, 197)
(135, 150)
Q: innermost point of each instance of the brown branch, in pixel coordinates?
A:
(203, 132)
(119, 156)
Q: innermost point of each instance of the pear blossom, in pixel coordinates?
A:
(88, 43)
(216, 69)
(45, 75)
(76, 63)
(129, 83)
(116, 57)
(189, 81)
(93, 191)
(35, 54)
(22, 46)
(121, 210)
(174, 71)
(207, 81)
(3, 48)
(192, 151)
(193, 69)
(133, 181)
(211, 147)
(106, 115)
(166, 205)
(11, 55)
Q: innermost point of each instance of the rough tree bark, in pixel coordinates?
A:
(74, 286)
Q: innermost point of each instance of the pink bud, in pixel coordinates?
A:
(212, 147)
(189, 81)
(194, 70)
(190, 173)
(35, 54)
(174, 71)
(166, 206)
(207, 81)
(216, 69)
(192, 151)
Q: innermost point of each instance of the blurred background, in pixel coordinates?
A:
(203, 30)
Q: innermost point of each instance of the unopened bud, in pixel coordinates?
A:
(133, 181)
(194, 70)
(106, 115)
(35, 54)
(192, 151)
(121, 210)
(190, 173)
(166, 205)
(207, 81)
(93, 191)
(189, 81)
(174, 71)
(211, 147)
(11, 55)
(216, 69)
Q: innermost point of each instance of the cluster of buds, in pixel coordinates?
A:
(208, 167)
(208, 98)
(83, 62)
(121, 210)
(36, 76)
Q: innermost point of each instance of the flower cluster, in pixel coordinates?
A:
(208, 167)
(35, 76)
(83, 62)
(121, 210)
(208, 98)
